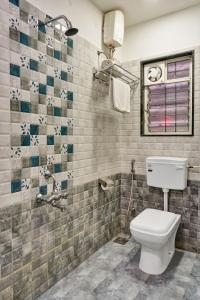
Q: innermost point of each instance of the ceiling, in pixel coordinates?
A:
(138, 11)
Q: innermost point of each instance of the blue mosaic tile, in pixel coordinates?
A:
(57, 168)
(70, 95)
(57, 111)
(64, 75)
(39, 87)
(50, 81)
(15, 186)
(64, 184)
(25, 140)
(70, 148)
(25, 106)
(33, 64)
(34, 129)
(15, 2)
(43, 189)
(42, 89)
(50, 140)
(24, 39)
(70, 43)
(15, 70)
(63, 130)
(41, 26)
(57, 54)
(35, 161)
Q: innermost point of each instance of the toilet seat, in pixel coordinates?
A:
(153, 221)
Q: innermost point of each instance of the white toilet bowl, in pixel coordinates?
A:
(155, 230)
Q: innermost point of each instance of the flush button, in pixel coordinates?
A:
(150, 170)
(179, 167)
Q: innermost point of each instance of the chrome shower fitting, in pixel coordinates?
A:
(70, 30)
(54, 197)
(52, 200)
(47, 176)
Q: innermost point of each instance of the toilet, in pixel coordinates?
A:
(155, 230)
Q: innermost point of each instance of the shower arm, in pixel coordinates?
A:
(69, 24)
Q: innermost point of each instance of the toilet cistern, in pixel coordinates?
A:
(167, 173)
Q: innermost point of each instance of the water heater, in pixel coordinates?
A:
(114, 29)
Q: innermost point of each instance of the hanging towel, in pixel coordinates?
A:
(120, 95)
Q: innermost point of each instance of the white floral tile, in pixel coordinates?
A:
(42, 119)
(15, 94)
(49, 41)
(33, 21)
(16, 152)
(69, 174)
(43, 170)
(25, 129)
(58, 186)
(57, 73)
(42, 58)
(34, 87)
(57, 130)
(50, 159)
(63, 94)
(34, 140)
(50, 101)
(25, 184)
(14, 23)
(70, 122)
(64, 149)
(24, 62)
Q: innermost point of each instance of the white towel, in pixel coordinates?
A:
(120, 95)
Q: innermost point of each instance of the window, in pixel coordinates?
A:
(167, 96)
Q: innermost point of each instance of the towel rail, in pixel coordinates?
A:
(116, 71)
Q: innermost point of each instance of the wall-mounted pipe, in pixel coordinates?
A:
(70, 29)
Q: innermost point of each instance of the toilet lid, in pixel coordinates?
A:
(153, 221)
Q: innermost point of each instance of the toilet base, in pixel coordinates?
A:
(154, 262)
(156, 250)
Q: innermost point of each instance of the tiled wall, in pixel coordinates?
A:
(136, 147)
(40, 244)
(139, 147)
(52, 115)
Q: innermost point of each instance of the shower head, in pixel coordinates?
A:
(70, 30)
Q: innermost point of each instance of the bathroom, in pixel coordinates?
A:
(84, 127)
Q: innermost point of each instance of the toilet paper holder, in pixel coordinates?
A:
(106, 183)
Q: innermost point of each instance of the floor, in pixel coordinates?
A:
(112, 273)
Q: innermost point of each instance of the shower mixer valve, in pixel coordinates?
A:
(54, 197)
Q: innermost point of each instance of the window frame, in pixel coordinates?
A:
(173, 57)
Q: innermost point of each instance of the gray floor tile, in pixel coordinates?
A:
(112, 273)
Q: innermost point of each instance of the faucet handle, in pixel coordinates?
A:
(39, 197)
(61, 207)
(63, 195)
(47, 174)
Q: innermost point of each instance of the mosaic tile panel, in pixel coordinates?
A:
(40, 99)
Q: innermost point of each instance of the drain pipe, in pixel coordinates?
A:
(165, 191)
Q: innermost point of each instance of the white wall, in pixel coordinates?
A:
(165, 34)
(83, 14)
